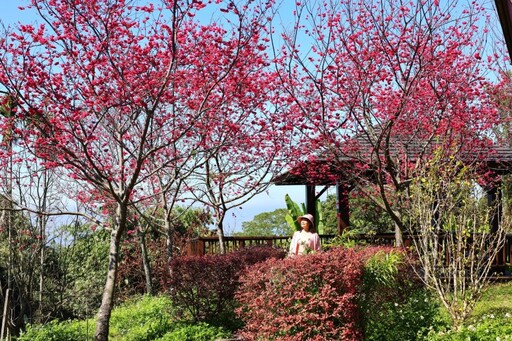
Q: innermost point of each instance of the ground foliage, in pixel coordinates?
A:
(141, 318)
(391, 307)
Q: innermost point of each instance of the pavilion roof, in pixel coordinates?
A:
(497, 159)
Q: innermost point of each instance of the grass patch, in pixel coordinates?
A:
(496, 299)
(490, 320)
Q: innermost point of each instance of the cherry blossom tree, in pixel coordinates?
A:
(240, 167)
(247, 149)
(379, 83)
(394, 94)
(108, 88)
(27, 189)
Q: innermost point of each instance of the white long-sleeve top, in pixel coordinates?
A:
(304, 242)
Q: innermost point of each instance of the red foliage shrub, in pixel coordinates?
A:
(312, 297)
(342, 294)
(204, 286)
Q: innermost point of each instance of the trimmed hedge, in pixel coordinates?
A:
(342, 294)
(202, 288)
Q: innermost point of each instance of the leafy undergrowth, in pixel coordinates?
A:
(140, 319)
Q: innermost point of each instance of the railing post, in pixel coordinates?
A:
(195, 247)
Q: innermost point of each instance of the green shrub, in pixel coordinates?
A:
(410, 319)
(196, 332)
(141, 319)
(395, 305)
(59, 331)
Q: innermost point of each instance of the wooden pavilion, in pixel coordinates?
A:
(497, 159)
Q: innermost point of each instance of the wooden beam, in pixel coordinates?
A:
(311, 200)
(319, 194)
(504, 8)
(343, 208)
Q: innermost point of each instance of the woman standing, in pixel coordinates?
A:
(306, 240)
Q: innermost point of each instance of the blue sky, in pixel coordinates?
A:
(264, 202)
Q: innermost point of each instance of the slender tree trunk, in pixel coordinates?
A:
(41, 275)
(220, 235)
(107, 300)
(168, 226)
(399, 239)
(12, 245)
(169, 239)
(146, 264)
(42, 239)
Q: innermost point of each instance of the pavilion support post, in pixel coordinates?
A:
(495, 200)
(311, 200)
(343, 208)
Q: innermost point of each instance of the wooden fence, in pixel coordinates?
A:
(210, 245)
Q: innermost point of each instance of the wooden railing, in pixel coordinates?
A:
(210, 245)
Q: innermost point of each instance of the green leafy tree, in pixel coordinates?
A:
(365, 215)
(82, 259)
(267, 224)
(329, 214)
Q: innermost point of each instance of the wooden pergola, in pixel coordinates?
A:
(497, 159)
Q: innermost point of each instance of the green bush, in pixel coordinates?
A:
(145, 318)
(196, 332)
(141, 319)
(394, 303)
(59, 331)
(410, 319)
